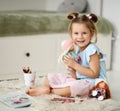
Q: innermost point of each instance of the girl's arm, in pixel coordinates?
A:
(91, 71)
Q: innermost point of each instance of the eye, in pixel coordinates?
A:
(84, 32)
(76, 33)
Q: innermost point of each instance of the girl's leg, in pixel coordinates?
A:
(45, 89)
(66, 92)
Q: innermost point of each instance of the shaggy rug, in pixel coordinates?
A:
(50, 103)
(44, 103)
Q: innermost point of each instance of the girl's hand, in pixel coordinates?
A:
(73, 73)
(69, 61)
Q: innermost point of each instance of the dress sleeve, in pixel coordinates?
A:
(92, 49)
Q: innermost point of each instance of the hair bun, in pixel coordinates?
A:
(72, 16)
(94, 18)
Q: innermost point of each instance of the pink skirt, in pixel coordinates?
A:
(77, 87)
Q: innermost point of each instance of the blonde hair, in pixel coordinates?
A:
(89, 20)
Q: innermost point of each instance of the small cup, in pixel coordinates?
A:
(29, 79)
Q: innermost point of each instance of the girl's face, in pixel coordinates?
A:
(81, 35)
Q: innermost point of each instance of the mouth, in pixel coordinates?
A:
(80, 41)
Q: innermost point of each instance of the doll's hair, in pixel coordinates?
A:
(66, 45)
(89, 20)
(108, 94)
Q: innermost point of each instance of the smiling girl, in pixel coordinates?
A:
(83, 74)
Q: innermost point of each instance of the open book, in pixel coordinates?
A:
(16, 99)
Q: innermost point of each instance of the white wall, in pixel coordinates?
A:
(29, 4)
(53, 4)
(111, 12)
(22, 4)
(94, 6)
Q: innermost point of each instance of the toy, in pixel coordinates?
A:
(68, 49)
(73, 6)
(100, 91)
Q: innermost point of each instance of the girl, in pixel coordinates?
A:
(82, 75)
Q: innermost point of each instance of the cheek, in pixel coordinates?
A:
(74, 40)
(88, 38)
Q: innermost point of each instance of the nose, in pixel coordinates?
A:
(80, 35)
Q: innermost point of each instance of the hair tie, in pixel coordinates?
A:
(88, 16)
(72, 16)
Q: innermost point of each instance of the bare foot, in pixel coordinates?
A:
(38, 90)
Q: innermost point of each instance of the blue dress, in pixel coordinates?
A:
(85, 58)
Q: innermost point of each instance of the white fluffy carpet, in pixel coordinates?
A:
(44, 103)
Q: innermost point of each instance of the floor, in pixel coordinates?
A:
(9, 85)
(114, 81)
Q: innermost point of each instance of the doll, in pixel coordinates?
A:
(100, 91)
(68, 49)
